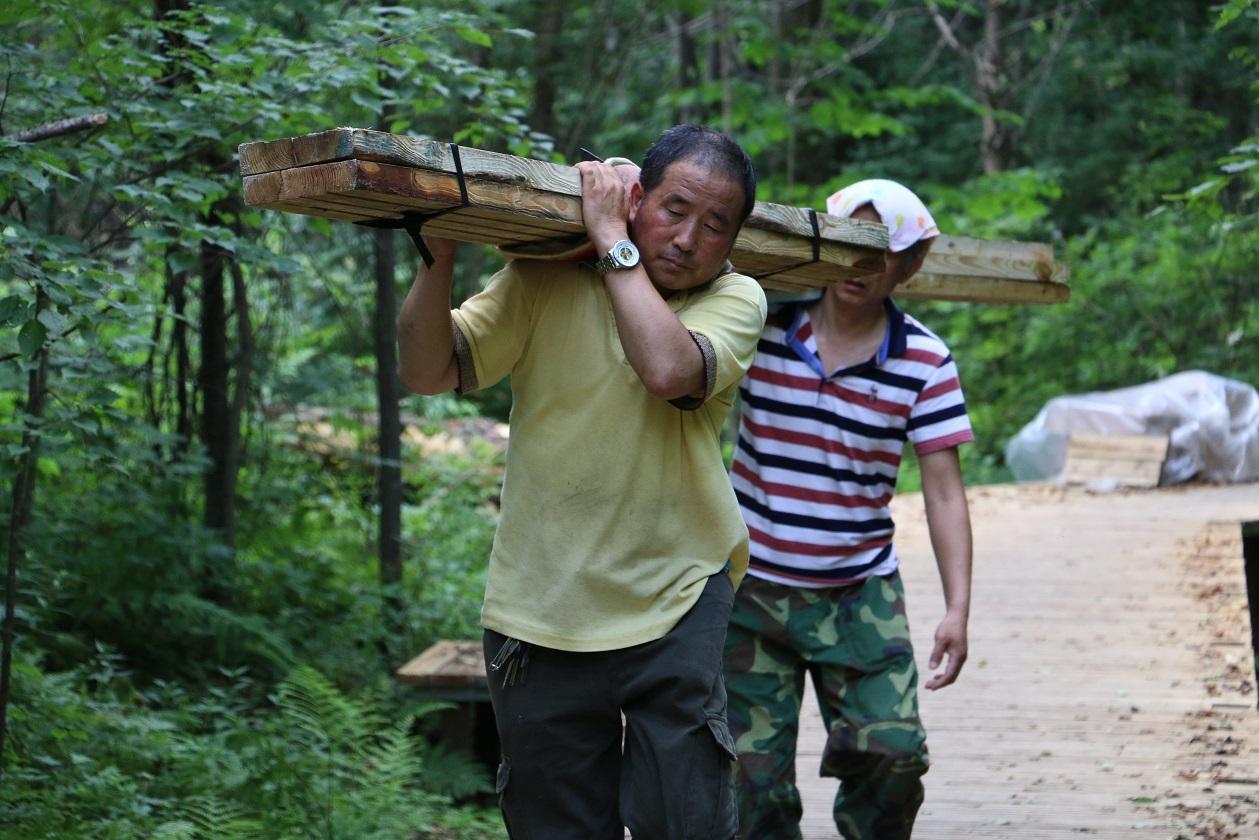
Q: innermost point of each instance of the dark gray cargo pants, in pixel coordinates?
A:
(565, 775)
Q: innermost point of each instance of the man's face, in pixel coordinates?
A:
(686, 226)
(893, 269)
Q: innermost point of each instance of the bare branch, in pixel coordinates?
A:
(884, 25)
(946, 30)
(8, 80)
(1045, 70)
(60, 127)
(936, 48)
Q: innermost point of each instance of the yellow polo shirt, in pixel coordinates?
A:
(616, 507)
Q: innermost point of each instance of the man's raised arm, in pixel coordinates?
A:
(657, 346)
(426, 346)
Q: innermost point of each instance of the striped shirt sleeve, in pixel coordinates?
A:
(938, 419)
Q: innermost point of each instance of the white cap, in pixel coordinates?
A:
(906, 217)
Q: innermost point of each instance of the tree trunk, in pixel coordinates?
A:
(388, 394)
(213, 386)
(183, 362)
(722, 61)
(687, 70)
(244, 367)
(548, 58)
(389, 431)
(995, 145)
(177, 281)
(20, 516)
(153, 398)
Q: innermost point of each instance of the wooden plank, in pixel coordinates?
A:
(355, 174)
(1131, 460)
(446, 664)
(1127, 472)
(364, 190)
(1138, 447)
(981, 289)
(344, 144)
(402, 150)
(963, 255)
(427, 190)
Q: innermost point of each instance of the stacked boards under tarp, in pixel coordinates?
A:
(364, 176)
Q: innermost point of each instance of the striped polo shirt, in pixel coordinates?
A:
(818, 454)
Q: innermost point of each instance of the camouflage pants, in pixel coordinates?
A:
(854, 642)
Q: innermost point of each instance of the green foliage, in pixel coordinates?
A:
(95, 758)
(170, 685)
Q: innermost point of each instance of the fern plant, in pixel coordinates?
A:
(206, 817)
(355, 773)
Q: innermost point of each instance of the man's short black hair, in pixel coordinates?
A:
(710, 149)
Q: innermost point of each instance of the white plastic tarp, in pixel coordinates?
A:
(1213, 424)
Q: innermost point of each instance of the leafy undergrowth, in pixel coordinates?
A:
(93, 757)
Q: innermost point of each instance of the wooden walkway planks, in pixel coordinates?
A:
(1110, 691)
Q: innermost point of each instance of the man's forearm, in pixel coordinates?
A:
(659, 348)
(426, 356)
(948, 523)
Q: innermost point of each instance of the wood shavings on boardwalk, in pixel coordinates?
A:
(1110, 691)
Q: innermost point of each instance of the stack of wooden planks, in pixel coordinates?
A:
(360, 175)
(457, 667)
(1126, 460)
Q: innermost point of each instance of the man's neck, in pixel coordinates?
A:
(846, 335)
(838, 318)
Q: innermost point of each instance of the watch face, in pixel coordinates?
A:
(625, 253)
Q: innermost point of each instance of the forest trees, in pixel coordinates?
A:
(184, 545)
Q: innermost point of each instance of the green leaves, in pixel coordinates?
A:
(1234, 9)
(12, 311)
(31, 337)
(473, 35)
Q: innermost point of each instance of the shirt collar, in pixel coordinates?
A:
(895, 339)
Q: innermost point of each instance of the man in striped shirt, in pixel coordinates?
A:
(838, 386)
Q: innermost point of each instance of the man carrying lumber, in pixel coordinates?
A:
(838, 386)
(611, 577)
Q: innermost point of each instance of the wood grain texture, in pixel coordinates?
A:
(407, 151)
(1130, 460)
(446, 664)
(1120, 447)
(981, 289)
(354, 174)
(993, 258)
(1110, 687)
(478, 165)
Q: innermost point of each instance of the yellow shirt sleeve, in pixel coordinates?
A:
(731, 315)
(496, 323)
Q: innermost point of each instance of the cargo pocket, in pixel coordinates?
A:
(715, 815)
(721, 734)
(500, 787)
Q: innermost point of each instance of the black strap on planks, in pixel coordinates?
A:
(817, 250)
(413, 220)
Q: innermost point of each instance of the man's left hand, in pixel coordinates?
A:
(950, 649)
(604, 204)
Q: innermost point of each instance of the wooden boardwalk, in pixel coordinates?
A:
(1110, 691)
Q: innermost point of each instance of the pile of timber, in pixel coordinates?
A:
(1125, 460)
(359, 175)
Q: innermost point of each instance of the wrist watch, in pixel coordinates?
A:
(624, 255)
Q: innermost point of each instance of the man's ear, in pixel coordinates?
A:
(914, 265)
(635, 199)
